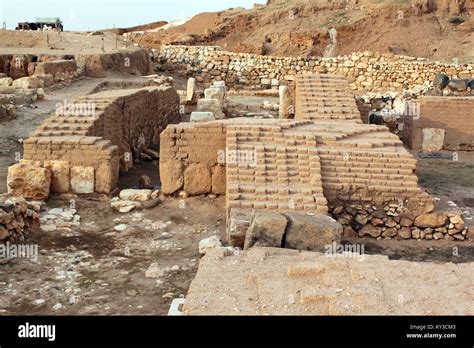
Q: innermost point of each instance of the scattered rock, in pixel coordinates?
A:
(121, 227)
(135, 195)
(209, 243)
(145, 183)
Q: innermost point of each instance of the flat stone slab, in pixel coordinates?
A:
(202, 117)
(271, 281)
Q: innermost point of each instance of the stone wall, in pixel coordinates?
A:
(85, 144)
(189, 158)
(365, 71)
(443, 123)
(17, 216)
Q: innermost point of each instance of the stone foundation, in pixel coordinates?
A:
(395, 221)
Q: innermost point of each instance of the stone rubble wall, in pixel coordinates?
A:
(365, 71)
(397, 221)
(85, 151)
(17, 216)
(452, 114)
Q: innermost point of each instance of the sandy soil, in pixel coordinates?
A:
(96, 270)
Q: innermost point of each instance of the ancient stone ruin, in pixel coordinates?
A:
(324, 161)
(145, 167)
(84, 144)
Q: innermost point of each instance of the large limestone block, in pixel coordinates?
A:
(197, 179)
(82, 179)
(29, 181)
(28, 82)
(266, 229)
(47, 79)
(211, 105)
(58, 68)
(433, 139)
(220, 85)
(106, 176)
(238, 224)
(171, 176)
(6, 81)
(59, 175)
(218, 180)
(214, 93)
(202, 117)
(315, 233)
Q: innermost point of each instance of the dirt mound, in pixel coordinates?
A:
(436, 29)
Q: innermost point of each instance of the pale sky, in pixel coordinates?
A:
(101, 14)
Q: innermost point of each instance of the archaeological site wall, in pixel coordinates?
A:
(85, 143)
(50, 68)
(324, 162)
(443, 123)
(192, 158)
(366, 71)
(17, 216)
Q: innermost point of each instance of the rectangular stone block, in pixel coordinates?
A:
(82, 180)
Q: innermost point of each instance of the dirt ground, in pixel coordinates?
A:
(300, 28)
(95, 269)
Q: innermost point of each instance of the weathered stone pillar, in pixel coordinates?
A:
(191, 89)
(286, 103)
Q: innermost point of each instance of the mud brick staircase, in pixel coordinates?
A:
(286, 175)
(324, 97)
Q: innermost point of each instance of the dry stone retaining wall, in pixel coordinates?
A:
(17, 216)
(366, 71)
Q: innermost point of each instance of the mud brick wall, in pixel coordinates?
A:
(191, 158)
(453, 114)
(60, 69)
(85, 151)
(365, 71)
(132, 61)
